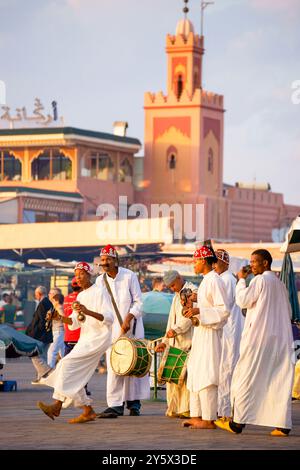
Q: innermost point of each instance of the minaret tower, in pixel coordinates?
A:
(184, 133)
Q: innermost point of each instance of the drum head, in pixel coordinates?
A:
(122, 356)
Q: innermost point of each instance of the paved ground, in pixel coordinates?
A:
(23, 426)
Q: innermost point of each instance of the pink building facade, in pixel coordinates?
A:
(62, 174)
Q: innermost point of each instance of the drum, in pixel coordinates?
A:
(130, 356)
(173, 366)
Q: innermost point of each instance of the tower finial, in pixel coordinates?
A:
(185, 9)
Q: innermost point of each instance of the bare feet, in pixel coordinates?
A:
(198, 423)
(87, 415)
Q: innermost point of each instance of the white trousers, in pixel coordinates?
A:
(78, 400)
(39, 362)
(204, 403)
(56, 347)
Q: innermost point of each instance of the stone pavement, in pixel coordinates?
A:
(24, 426)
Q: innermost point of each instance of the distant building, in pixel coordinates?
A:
(183, 163)
(255, 212)
(62, 173)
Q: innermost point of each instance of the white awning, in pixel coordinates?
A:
(292, 241)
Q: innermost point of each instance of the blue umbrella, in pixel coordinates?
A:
(157, 302)
(287, 276)
(156, 308)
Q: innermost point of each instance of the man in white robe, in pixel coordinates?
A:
(179, 334)
(263, 378)
(75, 370)
(205, 355)
(231, 337)
(127, 294)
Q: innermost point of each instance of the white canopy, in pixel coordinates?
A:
(292, 241)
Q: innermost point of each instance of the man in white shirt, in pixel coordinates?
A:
(263, 377)
(92, 313)
(205, 355)
(179, 334)
(232, 332)
(127, 295)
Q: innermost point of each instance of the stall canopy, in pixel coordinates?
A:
(292, 241)
(16, 344)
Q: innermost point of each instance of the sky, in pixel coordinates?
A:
(97, 58)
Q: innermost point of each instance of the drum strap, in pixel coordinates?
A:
(113, 300)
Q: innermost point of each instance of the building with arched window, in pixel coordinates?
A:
(62, 173)
(184, 141)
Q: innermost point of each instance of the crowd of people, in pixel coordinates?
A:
(237, 334)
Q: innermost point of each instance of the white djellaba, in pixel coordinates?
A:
(263, 378)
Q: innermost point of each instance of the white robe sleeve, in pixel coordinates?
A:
(184, 324)
(230, 291)
(136, 296)
(246, 297)
(218, 313)
(106, 309)
(75, 323)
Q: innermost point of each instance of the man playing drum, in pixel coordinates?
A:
(126, 294)
(178, 334)
(204, 360)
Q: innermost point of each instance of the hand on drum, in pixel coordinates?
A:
(126, 323)
(160, 347)
(190, 312)
(171, 334)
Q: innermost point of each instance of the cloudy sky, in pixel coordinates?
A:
(98, 57)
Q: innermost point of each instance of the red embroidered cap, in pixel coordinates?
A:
(203, 252)
(109, 250)
(85, 266)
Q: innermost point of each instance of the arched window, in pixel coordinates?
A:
(179, 86)
(210, 163)
(10, 167)
(102, 167)
(172, 157)
(172, 162)
(125, 171)
(51, 165)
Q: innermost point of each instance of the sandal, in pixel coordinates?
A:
(83, 418)
(49, 410)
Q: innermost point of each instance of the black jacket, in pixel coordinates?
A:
(37, 327)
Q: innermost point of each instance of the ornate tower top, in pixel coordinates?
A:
(185, 26)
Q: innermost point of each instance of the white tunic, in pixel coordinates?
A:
(205, 355)
(128, 297)
(178, 397)
(177, 322)
(263, 378)
(75, 370)
(231, 338)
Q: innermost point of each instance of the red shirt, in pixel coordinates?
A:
(70, 335)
